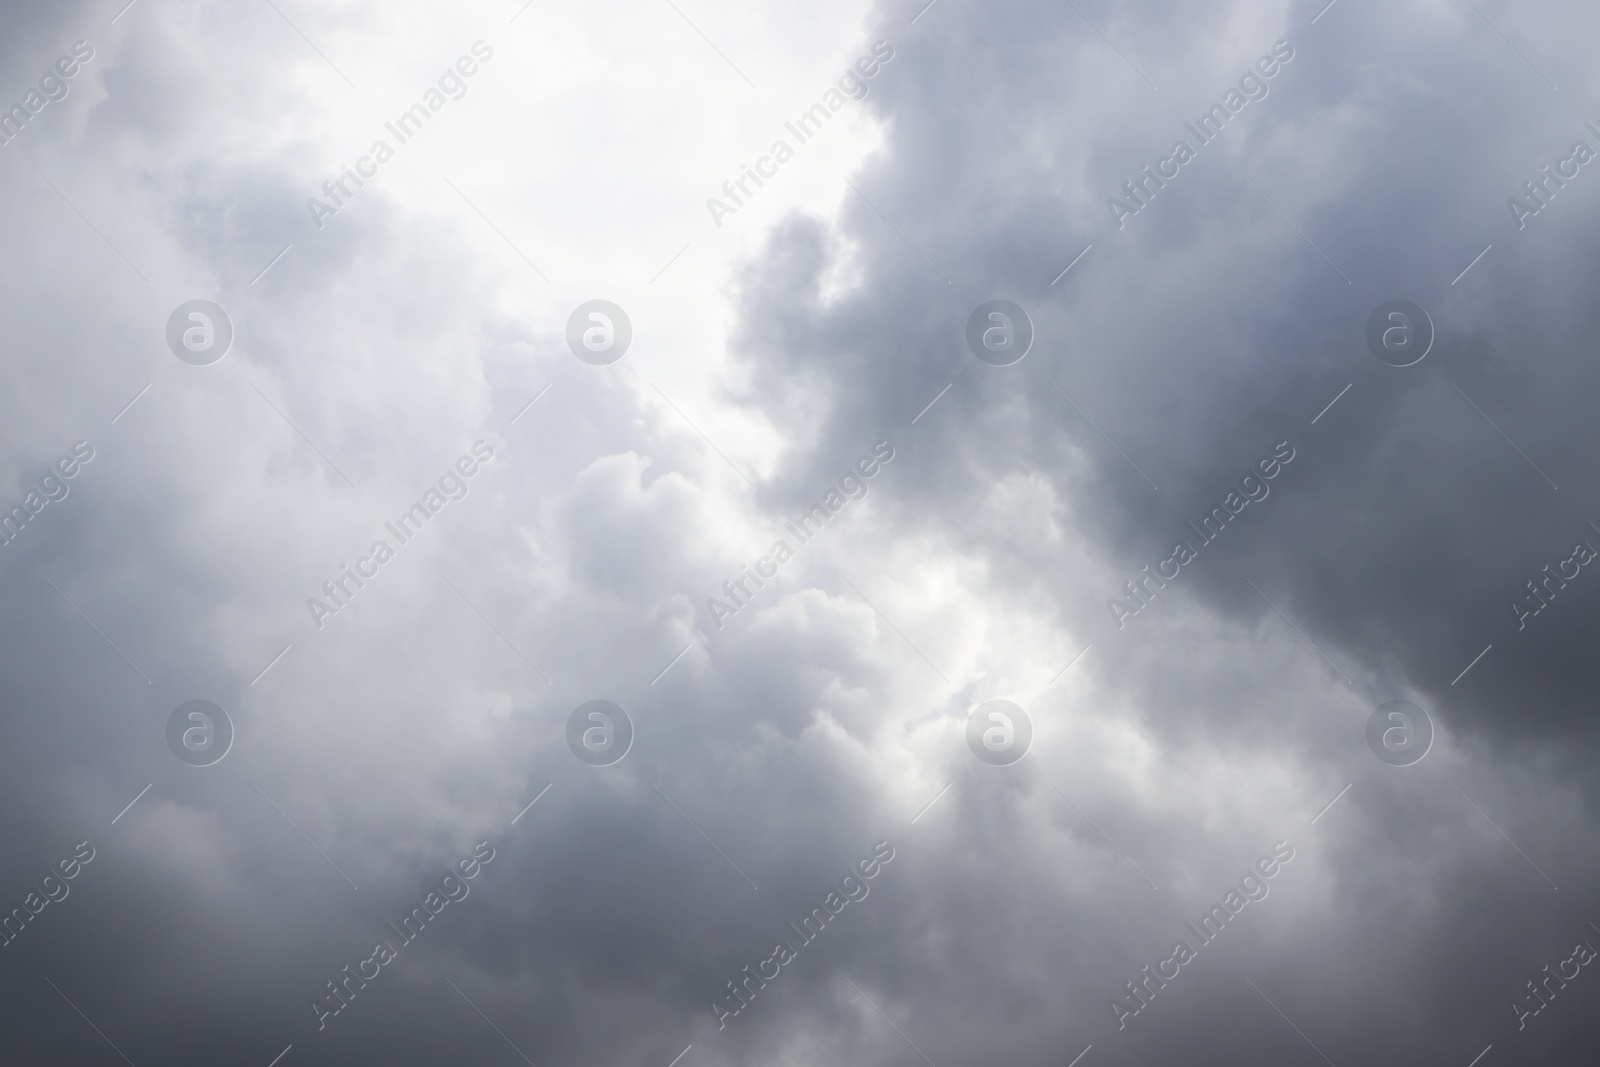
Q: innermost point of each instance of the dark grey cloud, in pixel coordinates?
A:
(829, 713)
(1196, 339)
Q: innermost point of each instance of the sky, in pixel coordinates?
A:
(687, 535)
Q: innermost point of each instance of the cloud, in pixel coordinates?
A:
(1228, 714)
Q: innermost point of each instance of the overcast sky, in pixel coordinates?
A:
(295, 292)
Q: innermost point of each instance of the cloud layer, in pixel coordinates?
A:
(801, 535)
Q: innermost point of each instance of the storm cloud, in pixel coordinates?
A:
(1089, 563)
